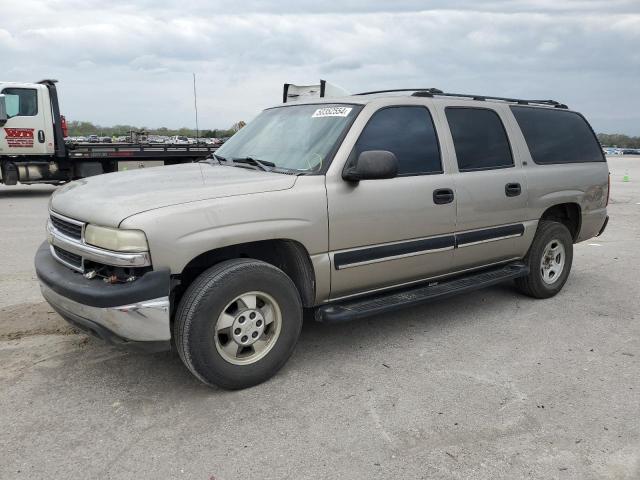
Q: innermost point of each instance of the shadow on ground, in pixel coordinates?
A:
(25, 192)
(86, 361)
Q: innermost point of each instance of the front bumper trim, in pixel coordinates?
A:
(144, 321)
(96, 293)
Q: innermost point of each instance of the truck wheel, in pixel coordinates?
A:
(549, 260)
(238, 323)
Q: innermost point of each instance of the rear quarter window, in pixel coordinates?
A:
(479, 138)
(557, 136)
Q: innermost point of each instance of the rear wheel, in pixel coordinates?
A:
(238, 323)
(549, 260)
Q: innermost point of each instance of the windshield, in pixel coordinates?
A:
(299, 137)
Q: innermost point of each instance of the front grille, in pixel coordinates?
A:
(70, 258)
(67, 228)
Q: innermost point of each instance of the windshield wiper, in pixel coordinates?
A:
(213, 157)
(263, 165)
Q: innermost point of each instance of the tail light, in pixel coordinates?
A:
(608, 189)
(63, 124)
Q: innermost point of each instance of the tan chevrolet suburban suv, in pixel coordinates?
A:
(345, 206)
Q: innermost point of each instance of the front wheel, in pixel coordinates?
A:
(238, 323)
(549, 260)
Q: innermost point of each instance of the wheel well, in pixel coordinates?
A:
(568, 214)
(288, 255)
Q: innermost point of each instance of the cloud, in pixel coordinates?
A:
(131, 62)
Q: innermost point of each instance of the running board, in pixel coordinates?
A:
(346, 310)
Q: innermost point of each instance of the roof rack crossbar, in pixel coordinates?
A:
(430, 92)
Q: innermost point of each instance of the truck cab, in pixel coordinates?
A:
(32, 148)
(27, 126)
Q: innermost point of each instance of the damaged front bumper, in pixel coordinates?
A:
(135, 314)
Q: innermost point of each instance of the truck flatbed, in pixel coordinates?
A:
(137, 151)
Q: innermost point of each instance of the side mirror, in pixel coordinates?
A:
(3, 111)
(372, 165)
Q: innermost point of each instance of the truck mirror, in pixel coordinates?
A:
(3, 111)
(373, 165)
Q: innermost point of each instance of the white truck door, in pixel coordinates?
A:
(29, 129)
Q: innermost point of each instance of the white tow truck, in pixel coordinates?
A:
(33, 148)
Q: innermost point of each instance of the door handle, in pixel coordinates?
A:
(41, 136)
(512, 189)
(442, 196)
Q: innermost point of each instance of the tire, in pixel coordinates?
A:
(223, 295)
(539, 284)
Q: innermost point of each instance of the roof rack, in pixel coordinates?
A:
(431, 92)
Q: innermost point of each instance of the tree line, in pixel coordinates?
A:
(83, 129)
(618, 140)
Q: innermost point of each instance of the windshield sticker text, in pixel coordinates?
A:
(331, 112)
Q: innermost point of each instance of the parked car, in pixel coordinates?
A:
(346, 207)
(179, 140)
(94, 139)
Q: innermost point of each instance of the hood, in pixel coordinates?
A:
(109, 199)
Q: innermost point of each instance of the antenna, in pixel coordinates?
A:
(195, 105)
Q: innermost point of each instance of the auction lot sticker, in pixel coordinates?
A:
(331, 112)
(19, 137)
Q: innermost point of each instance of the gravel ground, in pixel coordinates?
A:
(491, 385)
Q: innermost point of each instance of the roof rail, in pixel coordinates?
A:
(426, 90)
(431, 92)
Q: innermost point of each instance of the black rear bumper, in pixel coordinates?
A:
(604, 225)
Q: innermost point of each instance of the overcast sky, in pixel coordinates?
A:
(131, 61)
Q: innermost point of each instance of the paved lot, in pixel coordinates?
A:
(492, 385)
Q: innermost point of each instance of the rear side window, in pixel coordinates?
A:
(557, 136)
(21, 102)
(479, 138)
(409, 133)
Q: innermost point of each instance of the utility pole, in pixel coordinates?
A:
(195, 104)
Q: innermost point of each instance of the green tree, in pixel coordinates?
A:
(618, 140)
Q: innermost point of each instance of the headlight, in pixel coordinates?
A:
(116, 239)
